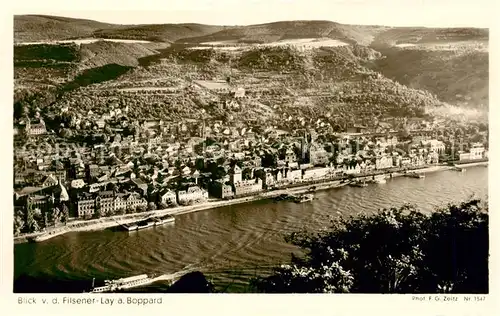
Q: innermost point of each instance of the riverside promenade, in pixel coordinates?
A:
(298, 188)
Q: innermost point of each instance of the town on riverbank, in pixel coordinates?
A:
(104, 185)
(181, 126)
(75, 225)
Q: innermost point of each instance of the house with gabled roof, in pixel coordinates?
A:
(186, 170)
(85, 205)
(134, 200)
(235, 174)
(193, 194)
(383, 162)
(140, 185)
(49, 181)
(168, 197)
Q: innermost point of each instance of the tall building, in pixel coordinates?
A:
(318, 155)
(304, 150)
(235, 175)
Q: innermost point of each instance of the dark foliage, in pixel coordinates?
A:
(203, 55)
(42, 284)
(395, 251)
(193, 282)
(67, 53)
(97, 75)
(272, 58)
(454, 77)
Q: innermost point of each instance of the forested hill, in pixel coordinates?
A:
(309, 71)
(31, 28)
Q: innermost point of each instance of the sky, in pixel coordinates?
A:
(431, 13)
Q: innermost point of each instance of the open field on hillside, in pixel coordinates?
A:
(478, 46)
(305, 43)
(83, 41)
(213, 84)
(152, 89)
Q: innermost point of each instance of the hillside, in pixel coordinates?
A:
(101, 53)
(422, 35)
(159, 33)
(43, 71)
(303, 73)
(284, 87)
(34, 28)
(279, 31)
(457, 77)
(29, 28)
(44, 64)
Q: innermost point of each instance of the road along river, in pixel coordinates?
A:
(230, 244)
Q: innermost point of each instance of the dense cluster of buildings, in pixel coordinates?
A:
(150, 169)
(119, 165)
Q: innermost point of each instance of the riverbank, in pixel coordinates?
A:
(81, 225)
(471, 164)
(424, 170)
(114, 221)
(108, 222)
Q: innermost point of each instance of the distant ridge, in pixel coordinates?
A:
(158, 32)
(449, 64)
(32, 28)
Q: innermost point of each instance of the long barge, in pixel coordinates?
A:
(164, 220)
(304, 198)
(124, 283)
(150, 222)
(414, 175)
(358, 184)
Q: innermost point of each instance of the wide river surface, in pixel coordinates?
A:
(229, 244)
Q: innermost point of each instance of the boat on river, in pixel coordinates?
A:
(379, 179)
(283, 197)
(123, 283)
(145, 224)
(164, 220)
(130, 227)
(358, 184)
(304, 198)
(415, 175)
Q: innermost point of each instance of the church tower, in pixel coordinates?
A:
(235, 174)
(304, 148)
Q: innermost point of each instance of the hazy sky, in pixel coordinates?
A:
(439, 13)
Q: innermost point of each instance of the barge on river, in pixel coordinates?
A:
(303, 198)
(415, 175)
(359, 184)
(379, 179)
(150, 222)
(124, 283)
(164, 220)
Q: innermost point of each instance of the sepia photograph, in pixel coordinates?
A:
(309, 150)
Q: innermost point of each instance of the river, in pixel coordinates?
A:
(229, 244)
